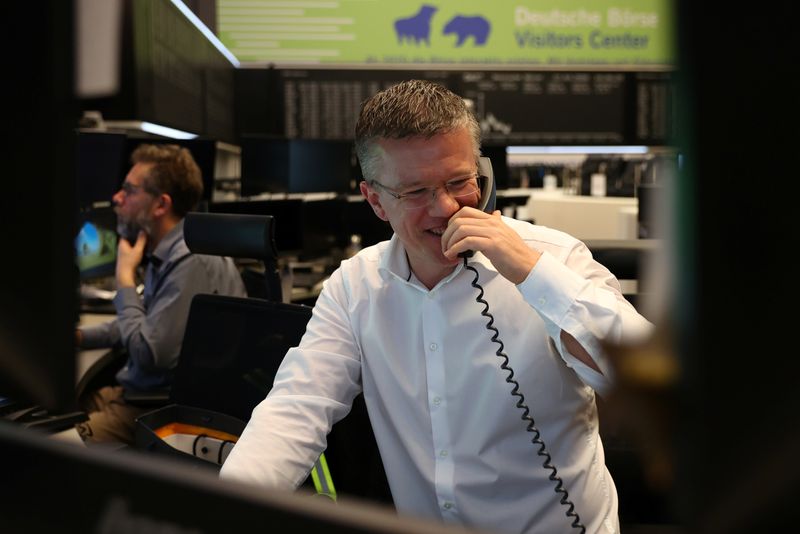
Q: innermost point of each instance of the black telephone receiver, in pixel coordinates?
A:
(488, 193)
(488, 188)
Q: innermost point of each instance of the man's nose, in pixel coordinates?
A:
(443, 202)
(116, 200)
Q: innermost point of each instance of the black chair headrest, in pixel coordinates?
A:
(234, 235)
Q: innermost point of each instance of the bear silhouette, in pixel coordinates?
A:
(416, 28)
(465, 27)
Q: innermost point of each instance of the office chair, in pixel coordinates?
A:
(238, 236)
(231, 352)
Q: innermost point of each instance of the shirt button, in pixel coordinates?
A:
(443, 453)
(437, 401)
(433, 346)
(542, 301)
(448, 505)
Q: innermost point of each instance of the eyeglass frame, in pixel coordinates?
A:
(129, 189)
(432, 190)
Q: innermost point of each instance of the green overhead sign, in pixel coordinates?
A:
(623, 33)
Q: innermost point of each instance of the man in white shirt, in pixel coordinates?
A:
(400, 322)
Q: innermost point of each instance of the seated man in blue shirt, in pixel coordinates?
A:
(401, 322)
(161, 187)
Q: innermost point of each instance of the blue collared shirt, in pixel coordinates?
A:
(151, 326)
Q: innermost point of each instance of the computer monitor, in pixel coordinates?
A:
(498, 155)
(275, 165)
(360, 219)
(38, 294)
(96, 243)
(58, 486)
(101, 165)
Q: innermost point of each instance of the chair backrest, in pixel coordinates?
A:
(232, 349)
(238, 236)
(231, 352)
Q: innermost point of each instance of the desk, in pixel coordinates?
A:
(84, 359)
(584, 217)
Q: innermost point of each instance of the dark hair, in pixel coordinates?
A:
(414, 108)
(174, 172)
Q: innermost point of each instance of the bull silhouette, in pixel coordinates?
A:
(416, 28)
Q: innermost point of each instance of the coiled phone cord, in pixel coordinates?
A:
(515, 392)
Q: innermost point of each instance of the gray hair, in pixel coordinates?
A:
(413, 108)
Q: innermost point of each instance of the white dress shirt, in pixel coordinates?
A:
(450, 434)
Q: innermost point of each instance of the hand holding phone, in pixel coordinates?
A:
(128, 259)
(488, 193)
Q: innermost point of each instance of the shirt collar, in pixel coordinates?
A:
(394, 263)
(166, 246)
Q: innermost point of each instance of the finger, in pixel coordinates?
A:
(472, 242)
(466, 236)
(141, 239)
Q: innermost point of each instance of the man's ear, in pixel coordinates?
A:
(163, 205)
(374, 200)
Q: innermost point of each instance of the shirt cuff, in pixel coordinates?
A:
(551, 288)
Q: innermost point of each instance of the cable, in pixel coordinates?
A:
(515, 392)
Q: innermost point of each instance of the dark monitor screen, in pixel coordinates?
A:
(317, 165)
(497, 154)
(38, 295)
(101, 164)
(271, 165)
(360, 219)
(96, 243)
(265, 165)
(127, 491)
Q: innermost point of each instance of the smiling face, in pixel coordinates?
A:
(415, 162)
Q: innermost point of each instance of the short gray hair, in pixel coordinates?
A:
(414, 108)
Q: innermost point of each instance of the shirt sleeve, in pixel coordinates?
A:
(313, 389)
(581, 297)
(153, 338)
(104, 335)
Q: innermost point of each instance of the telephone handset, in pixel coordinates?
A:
(487, 204)
(488, 187)
(488, 193)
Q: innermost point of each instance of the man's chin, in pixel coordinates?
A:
(444, 260)
(129, 231)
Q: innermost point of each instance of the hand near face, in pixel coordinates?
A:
(472, 229)
(128, 259)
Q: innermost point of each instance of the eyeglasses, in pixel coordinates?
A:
(131, 189)
(422, 197)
